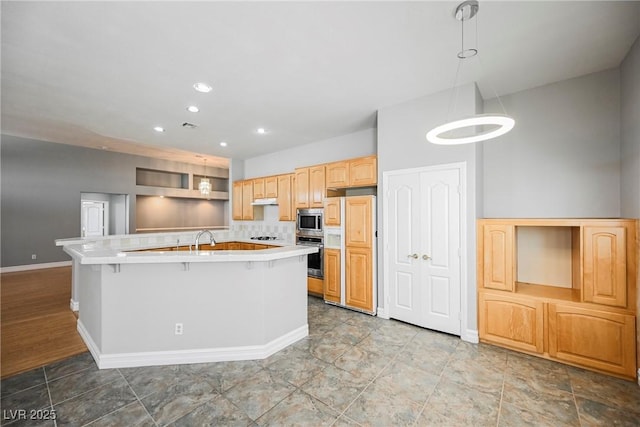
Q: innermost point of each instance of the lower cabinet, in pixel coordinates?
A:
(597, 339)
(511, 321)
(359, 276)
(332, 275)
(604, 341)
(315, 285)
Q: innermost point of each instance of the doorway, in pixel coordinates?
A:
(423, 240)
(103, 214)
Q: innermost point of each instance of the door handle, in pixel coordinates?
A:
(426, 257)
(414, 256)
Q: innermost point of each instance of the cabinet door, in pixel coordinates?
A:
(247, 198)
(285, 202)
(511, 321)
(258, 188)
(337, 175)
(302, 187)
(498, 257)
(332, 211)
(332, 275)
(359, 278)
(595, 339)
(271, 187)
(358, 227)
(237, 200)
(315, 285)
(363, 172)
(605, 266)
(317, 190)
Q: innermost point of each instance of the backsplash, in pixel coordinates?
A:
(283, 230)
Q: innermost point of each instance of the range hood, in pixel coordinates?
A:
(263, 202)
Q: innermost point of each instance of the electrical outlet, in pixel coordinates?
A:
(178, 329)
(34, 256)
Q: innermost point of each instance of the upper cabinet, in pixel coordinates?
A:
(258, 188)
(287, 211)
(605, 266)
(358, 172)
(247, 199)
(237, 200)
(310, 187)
(332, 215)
(271, 187)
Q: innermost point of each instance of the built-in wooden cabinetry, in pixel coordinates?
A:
(310, 188)
(358, 172)
(315, 285)
(332, 274)
(562, 289)
(271, 187)
(359, 252)
(332, 211)
(287, 210)
(247, 199)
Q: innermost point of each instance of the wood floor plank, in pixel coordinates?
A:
(37, 325)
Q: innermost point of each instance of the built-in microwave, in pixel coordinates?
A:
(309, 222)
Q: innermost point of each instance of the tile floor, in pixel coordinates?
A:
(352, 370)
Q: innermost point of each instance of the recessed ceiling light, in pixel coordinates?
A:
(158, 129)
(261, 131)
(223, 144)
(193, 109)
(202, 87)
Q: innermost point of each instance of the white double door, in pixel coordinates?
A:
(423, 247)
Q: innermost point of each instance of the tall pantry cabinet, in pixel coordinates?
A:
(562, 289)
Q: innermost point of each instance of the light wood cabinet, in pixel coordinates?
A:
(314, 285)
(258, 188)
(358, 172)
(332, 271)
(287, 211)
(589, 321)
(237, 200)
(332, 211)
(598, 339)
(605, 266)
(310, 187)
(498, 257)
(337, 174)
(363, 172)
(511, 321)
(358, 230)
(359, 271)
(271, 187)
(247, 199)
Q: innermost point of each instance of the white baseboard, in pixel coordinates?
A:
(470, 335)
(382, 313)
(74, 305)
(181, 357)
(28, 267)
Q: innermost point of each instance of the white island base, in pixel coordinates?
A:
(130, 313)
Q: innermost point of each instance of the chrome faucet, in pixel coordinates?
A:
(213, 242)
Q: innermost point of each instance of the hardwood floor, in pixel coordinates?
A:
(36, 323)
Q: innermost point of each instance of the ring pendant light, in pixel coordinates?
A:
(504, 123)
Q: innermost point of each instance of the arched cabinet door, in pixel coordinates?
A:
(605, 266)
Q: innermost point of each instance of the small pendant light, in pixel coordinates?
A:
(205, 185)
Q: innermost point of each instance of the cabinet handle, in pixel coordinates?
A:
(414, 256)
(426, 257)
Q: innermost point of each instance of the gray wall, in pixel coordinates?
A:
(41, 183)
(630, 110)
(563, 157)
(355, 144)
(402, 145)
(156, 212)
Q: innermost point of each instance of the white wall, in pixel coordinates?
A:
(563, 157)
(630, 126)
(355, 144)
(402, 145)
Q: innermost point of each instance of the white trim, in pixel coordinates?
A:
(462, 168)
(28, 267)
(382, 313)
(181, 357)
(74, 305)
(470, 335)
(638, 376)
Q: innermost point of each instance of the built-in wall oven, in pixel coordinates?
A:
(315, 262)
(309, 233)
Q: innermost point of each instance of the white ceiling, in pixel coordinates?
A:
(103, 74)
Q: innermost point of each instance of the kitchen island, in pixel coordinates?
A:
(142, 308)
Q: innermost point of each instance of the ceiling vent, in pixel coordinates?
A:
(188, 125)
